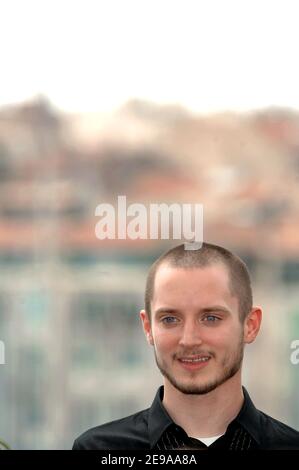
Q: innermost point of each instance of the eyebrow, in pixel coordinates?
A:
(218, 308)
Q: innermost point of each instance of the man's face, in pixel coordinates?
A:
(195, 328)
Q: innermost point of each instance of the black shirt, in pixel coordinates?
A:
(153, 429)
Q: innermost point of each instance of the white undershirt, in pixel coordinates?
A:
(208, 440)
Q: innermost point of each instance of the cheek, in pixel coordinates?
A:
(224, 338)
(165, 340)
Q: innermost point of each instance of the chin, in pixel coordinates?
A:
(193, 389)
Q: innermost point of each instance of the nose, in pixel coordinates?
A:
(191, 334)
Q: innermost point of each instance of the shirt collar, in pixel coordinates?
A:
(159, 420)
(249, 417)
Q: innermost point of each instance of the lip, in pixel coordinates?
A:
(193, 366)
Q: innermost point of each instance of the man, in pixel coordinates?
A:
(198, 317)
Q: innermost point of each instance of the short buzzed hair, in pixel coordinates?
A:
(207, 255)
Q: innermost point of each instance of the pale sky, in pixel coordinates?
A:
(93, 55)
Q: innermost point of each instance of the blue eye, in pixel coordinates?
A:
(211, 318)
(165, 320)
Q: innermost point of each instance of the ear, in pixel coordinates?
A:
(252, 324)
(146, 324)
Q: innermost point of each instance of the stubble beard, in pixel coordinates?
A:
(229, 366)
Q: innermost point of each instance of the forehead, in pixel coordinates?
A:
(187, 287)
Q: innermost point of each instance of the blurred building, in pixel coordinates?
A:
(75, 352)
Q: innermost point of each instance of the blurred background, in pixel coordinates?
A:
(162, 102)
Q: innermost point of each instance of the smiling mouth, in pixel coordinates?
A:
(202, 357)
(194, 363)
(194, 360)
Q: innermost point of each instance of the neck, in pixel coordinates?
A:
(205, 415)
